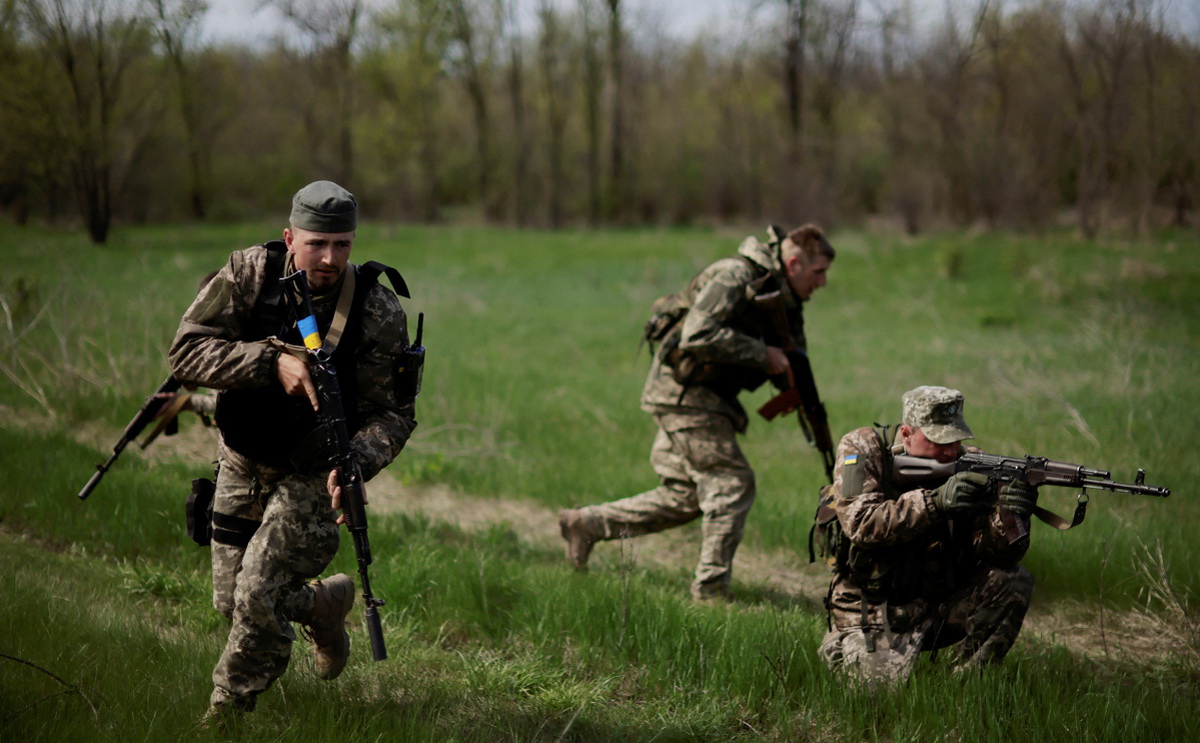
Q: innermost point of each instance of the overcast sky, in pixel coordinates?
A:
(242, 20)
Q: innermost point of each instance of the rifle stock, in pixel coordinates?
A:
(145, 415)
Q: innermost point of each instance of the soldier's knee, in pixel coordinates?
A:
(1021, 582)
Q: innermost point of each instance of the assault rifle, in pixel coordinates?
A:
(164, 404)
(801, 396)
(332, 418)
(1031, 470)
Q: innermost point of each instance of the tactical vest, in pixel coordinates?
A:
(267, 425)
(899, 574)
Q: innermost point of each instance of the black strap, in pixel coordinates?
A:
(234, 531)
(276, 256)
(371, 270)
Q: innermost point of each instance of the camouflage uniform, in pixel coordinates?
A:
(929, 582)
(695, 453)
(274, 529)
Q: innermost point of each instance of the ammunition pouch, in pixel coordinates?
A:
(198, 509)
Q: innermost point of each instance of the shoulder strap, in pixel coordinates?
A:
(341, 313)
(370, 272)
(276, 256)
(267, 318)
(355, 286)
(886, 458)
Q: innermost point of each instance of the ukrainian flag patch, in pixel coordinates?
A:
(308, 330)
(850, 459)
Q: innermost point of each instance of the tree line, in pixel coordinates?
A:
(1006, 114)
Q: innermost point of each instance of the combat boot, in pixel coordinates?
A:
(332, 599)
(579, 540)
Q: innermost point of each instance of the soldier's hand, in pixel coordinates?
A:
(1018, 497)
(293, 375)
(777, 363)
(964, 493)
(335, 495)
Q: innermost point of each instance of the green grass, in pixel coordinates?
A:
(1082, 352)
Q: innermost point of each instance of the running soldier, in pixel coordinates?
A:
(691, 390)
(275, 520)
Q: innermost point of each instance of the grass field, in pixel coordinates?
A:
(1083, 352)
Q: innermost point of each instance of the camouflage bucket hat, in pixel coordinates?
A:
(324, 206)
(938, 412)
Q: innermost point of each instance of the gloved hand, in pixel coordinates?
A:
(964, 493)
(1018, 497)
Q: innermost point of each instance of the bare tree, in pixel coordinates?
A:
(617, 187)
(556, 87)
(793, 77)
(177, 23)
(593, 86)
(333, 27)
(1098, 63)
(832, 28)
(905, 179)
(471, 62)
(92, 45)
(947, 69)
(517, 107)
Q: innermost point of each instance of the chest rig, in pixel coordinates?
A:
(267, 425)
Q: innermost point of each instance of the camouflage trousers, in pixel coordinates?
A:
(703, 474)
(272, 533)
(982, 618)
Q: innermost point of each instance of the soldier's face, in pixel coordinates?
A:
(917, 445)
(805, 277)
(321, 255)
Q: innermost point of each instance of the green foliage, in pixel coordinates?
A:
(1075, 350)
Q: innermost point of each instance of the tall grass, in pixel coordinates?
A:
(1079, 351)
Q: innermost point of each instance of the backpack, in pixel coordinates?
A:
(825, 537)
(665, 328)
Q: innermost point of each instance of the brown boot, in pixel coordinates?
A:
(332, 599)
(579, 539)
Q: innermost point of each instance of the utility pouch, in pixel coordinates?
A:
(199, 511)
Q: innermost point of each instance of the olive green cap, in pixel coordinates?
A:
(938, 412)
(324, 206)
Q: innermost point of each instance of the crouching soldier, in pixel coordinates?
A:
(926, 568)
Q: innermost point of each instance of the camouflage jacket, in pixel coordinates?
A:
(902, 549)
(724, 328)
(209, 351)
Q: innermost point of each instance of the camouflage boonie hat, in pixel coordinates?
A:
(324, 206)
(938, 412)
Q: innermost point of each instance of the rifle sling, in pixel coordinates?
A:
(1058, 522)
(341, 314)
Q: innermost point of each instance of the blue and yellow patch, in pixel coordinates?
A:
(308, 330)
(850, 459)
